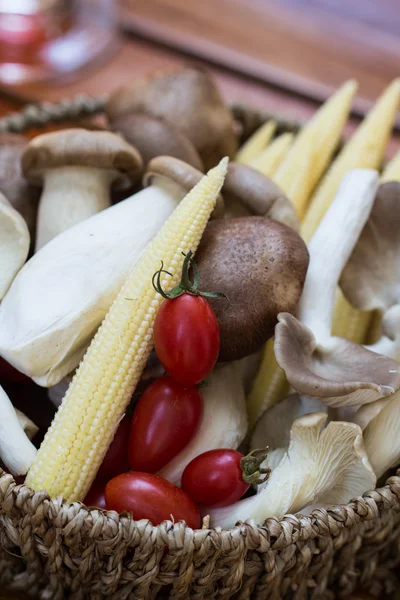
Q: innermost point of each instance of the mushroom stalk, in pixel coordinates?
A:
(70, 195)
(330, 249)
(16, 451)
(14, 244)
(224, 422)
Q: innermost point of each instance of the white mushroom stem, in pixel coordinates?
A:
(70, 195)
(62, 294)
(389, 343)
(16, 451)
(321, 466)
(14, 244)
(27, 424)
(382, 437)
(224, 422)
(331, 247)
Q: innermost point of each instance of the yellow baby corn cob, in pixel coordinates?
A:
(75, 444)
(256, 143)
(314, 147)
(392, 170)
(268, 161)
(299, 173)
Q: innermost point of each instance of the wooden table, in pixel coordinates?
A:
(283, 56)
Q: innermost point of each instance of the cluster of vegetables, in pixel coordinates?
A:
(284, 332)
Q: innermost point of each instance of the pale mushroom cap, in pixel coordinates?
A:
(259, 194)
(382, 437)
(343, 374)
(83, 148)
(179, 172)
(371, 278)
(22, 196)
(14, 244)
(189, 99)
(156, 137)
(261, 266)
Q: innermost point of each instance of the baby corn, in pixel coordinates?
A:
(268, 161)
(256, 143)
(84, 426)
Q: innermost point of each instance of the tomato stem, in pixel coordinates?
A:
(185, 285)
(252, 471)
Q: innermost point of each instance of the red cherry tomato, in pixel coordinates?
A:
(186, 338)
(150, 497)
(165, 419)
(116, 460)
(215, 478)
(9, 373)
(96, 495)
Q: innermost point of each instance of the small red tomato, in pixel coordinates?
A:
(215, 478)
(166, 418)
(186, 338)
(96, 495)
(116, 460)
(9, 373)
(150, 497)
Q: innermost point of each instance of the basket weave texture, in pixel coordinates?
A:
(50, 549)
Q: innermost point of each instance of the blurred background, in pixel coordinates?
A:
(284, 55)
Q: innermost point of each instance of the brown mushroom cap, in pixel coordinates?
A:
(181, 173)
(23, 197)
(80, 147)
(155, 137)
(258, 194)
(261, 266)
(187, 98)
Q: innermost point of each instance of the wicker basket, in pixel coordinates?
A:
(51, 549)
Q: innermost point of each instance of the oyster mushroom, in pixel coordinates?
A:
(224, 422)
(382, 436)
(27, 424)
(22, 196)
(189, 99)
(14, 244)
(321, 466)
(156, 137)
(16, 450)
(316, 363)
(77, 168)
(248, 192)
(260, 265)
(45, 334)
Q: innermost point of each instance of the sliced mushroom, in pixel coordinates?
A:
(316, 363)
(321, 466)
(248, 192)
(77, 168)
(156, 137)
(382, 437)
(189, 99)
(22, 196)
(14, 244)
(260, 265)
(60, 297)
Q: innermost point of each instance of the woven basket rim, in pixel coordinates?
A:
(282, 532)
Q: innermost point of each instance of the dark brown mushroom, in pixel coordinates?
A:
(261, 266)
(189, 99)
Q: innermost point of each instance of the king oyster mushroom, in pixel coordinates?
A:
(248, 192)
(316, 363)
(14, 244)
(22, 196)
(156, 137)
(76, 168)
(187, 98)
(60, 297)
(324, 466)
(260, 265)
